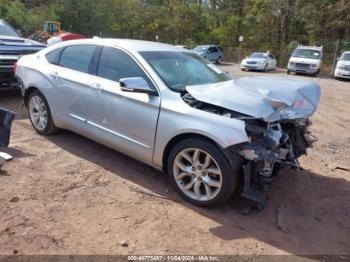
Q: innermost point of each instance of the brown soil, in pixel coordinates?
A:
(65, 194)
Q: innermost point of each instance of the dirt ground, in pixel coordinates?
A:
(65, 194)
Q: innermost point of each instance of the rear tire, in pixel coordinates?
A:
(201, 173)
(40, 114)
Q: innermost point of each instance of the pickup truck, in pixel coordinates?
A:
(12, 47)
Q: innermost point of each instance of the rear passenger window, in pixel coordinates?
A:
(77, 57)
(115, 64)
(54, 56)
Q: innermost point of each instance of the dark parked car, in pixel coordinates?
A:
(12, 47)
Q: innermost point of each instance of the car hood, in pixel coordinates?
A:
(254, 59)
(270, 99)
(304, 60)
(19, 41)
(199, 52)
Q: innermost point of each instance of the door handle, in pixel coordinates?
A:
(55, 75)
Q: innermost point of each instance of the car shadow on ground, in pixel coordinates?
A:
(317, 206)
(275, 71)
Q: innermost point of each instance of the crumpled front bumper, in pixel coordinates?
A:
(256, 66)
(280, 144)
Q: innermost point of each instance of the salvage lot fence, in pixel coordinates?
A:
(236, 54)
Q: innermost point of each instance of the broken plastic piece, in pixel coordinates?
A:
(6, 119)
(5, 156)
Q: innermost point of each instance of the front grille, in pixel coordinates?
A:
(7, 62)
(17, 53)
(251, 62)
(302, 65)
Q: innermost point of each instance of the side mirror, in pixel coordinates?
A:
(338, 58)
(136, 85)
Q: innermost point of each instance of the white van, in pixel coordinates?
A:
(306, 59)
(343, 66)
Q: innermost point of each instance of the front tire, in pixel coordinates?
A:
(40, 114)
(201, 173)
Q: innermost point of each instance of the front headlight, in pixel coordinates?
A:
(292, 63)
(341, 67)
(313, 65)
(262, 61)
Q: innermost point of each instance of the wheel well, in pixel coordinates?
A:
(27, 93)
(175, 140)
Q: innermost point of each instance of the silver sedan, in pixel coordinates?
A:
(174, 110)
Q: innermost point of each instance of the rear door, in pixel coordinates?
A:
(76, 89)
(272, 62)
(213, 52)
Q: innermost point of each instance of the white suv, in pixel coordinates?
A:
(343, 66)
(306, 59)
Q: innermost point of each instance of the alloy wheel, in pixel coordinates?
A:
(38, 112)
(197, 174)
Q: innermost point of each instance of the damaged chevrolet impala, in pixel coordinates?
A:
(170, 108)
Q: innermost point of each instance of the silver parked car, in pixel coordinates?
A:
(213, 53)
(259, 61)
(173, 110)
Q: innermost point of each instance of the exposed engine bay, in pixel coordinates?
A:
(272, 145)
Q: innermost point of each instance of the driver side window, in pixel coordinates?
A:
(115, 64)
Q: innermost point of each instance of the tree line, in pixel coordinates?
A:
(265, 24)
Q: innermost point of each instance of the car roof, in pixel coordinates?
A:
(128, 44)
(318, 48)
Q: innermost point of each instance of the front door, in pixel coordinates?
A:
(126, 121)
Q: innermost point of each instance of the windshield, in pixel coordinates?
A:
(181, 69)
(200, 49)
(5, 29)
(345, 57)
(307, 53)
(258, 55)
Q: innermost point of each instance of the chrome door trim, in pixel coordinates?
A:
(109, 131)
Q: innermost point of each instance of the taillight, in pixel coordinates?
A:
(14, 67)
